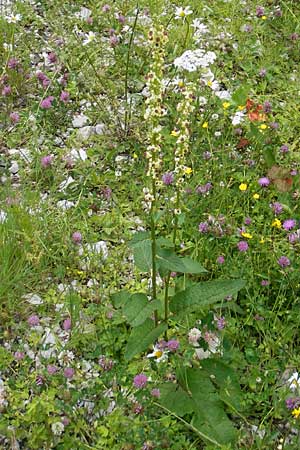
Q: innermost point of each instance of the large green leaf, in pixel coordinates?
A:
(226, 379)
(142, 253)
(210, 417)
(119, 298)
(138, 308)
(239, 97)
(168, 260)
(204, 294)
(175, 399)
(142, 337)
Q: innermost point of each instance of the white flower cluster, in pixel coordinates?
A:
(192, 60)
(154, 102)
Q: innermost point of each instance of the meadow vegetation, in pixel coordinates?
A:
(149, 225)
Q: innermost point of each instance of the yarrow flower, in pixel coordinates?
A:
(192, 60)
(140, 381)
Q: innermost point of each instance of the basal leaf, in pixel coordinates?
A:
(226, 379)
(175, 399)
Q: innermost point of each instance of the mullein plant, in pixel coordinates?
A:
(157, 255)
(154, 112)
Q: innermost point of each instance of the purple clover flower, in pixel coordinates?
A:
(51, 369)
(64, 96)
(262, 73)
(277, 208)
(76, 237)
(221, 323)
(69, 372)
(47, 102)
(67, 324)
(274, 125)
(173, 345)
(264, 282)
(289, 224)
(168, 178)
(13, 63)
(203, 227)
(248, 221)
(284, 148)
(220, 259)
(267, 107)
(294, 237)
(242, 246)
(33, 320)
(19, 355)
(204, 188)
(155, 393)
(264, 182)
(46, 161)
(283, 261)
(6, 91)
(260, 11)
(140, 381)
(14, 117)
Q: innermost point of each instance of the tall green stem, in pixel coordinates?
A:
(153, 247)
(167, 279)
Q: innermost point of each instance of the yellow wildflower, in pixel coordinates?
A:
(180, 84)
(226, 105)
(296, 412)
(276, 223)
(241, 107)
(243, 187)
(188, 170)
(205, 125)
(256, 196)
(262, 241)
(246, 235)
(263, 17)
(174, 133)
(263, 126)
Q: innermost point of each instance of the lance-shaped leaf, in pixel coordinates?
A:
(142, 337)
(168, 260)
(138, 308)
(204, 294)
